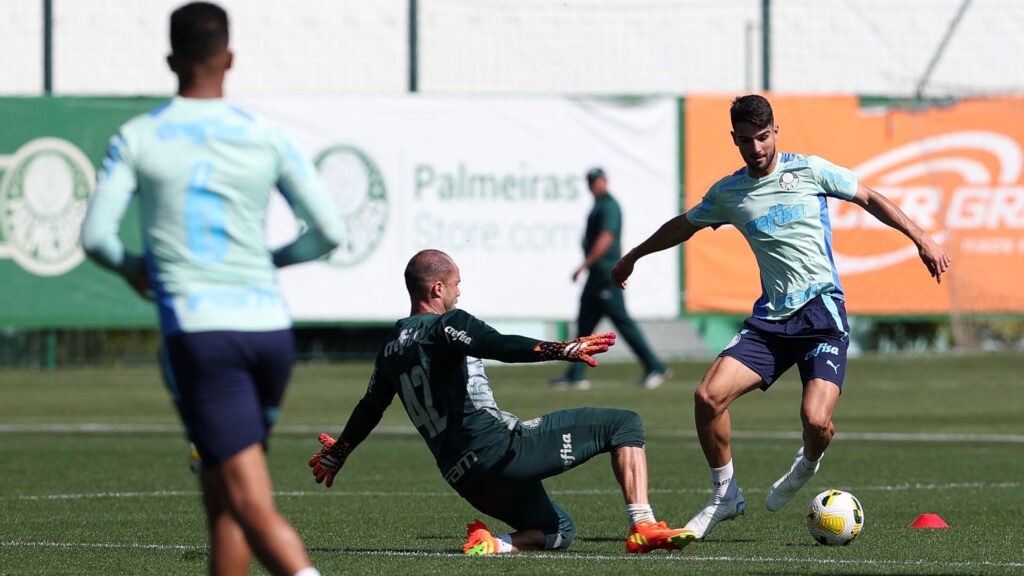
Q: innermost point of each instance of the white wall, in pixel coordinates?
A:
(281, 46)
(21, 47)
(885, 46)
(531, 46)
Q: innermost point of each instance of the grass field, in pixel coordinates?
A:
(93, 477)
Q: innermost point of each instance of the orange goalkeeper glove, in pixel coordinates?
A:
(578, 350)
(329, 459)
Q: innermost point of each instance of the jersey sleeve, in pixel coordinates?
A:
(706, 212)
(115, 186)
(473, 337)
(370, 409)
(302, 187)
(834, 180)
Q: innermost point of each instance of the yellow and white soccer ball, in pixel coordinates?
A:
(835, 518)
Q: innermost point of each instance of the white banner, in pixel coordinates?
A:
(496, 183)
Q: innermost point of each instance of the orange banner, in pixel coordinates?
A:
(956, 171)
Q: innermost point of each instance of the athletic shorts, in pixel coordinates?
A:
(544, 447)
(815, 338)
(228, 387)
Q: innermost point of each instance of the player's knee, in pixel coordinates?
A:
(820, 426)
(707, 404)
(630, 430)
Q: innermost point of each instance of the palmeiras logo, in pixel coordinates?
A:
(357, 186)
(788, 181)
(43, 198)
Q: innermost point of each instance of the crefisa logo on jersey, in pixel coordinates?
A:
(788, 181)
(458, 335)
(566, 452)
(44, 194)
(357, 187)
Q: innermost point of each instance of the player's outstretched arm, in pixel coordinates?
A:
(328, 461)
(364, 418)
(672, 233)
(581, 349)
(936, 259)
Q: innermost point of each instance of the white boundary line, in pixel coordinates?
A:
(299, 429)
(447, 493)
(680, 557)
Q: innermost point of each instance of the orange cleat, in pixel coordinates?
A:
(647, 536)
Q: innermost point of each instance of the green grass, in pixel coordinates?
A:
(919, 434)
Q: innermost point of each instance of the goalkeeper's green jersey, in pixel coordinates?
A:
(433, 363)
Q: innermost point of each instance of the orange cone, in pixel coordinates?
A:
(929, 521)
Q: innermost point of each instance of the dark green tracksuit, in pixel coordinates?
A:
(490, 457)
(601, 298)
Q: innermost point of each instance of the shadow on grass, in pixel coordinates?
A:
(860, 573)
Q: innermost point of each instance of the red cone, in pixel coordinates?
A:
(929, 521)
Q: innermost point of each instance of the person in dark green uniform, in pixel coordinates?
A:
(494, 460)
(602, 249)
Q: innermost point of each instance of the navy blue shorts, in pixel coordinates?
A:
(815, 339)
(228, 387)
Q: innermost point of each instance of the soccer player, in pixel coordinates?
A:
(203, 172)
(778, 203)
(492, 458)
(601, 250)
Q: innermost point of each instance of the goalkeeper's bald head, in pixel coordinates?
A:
(425, 269)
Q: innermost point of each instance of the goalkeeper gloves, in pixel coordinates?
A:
(578, 350)
(329, 459)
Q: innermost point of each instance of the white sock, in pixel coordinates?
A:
(807, 465)
(308, 572)
(504, 543)
(639, 513)
(722, 480)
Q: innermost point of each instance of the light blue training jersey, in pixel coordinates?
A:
(784, 218)
(203, 172)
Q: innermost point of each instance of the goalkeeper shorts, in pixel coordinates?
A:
(547, 446)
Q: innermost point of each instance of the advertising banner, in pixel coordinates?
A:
(497, 183)
(49, 150)
(955, 170)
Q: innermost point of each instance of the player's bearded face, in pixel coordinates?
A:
(756, 146)
(451, 293)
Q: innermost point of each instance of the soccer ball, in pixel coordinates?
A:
(834, 518)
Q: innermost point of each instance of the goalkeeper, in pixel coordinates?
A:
(492, 458)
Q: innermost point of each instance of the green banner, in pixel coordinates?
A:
(50, 149)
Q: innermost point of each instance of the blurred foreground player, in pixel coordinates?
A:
(778, 202)
(492, 458)
(203, 172)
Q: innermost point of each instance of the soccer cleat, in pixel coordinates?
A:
(562, 383)
(653, 379)
(791, 482)
(647, 536)
(704, 522)
(195, 464)
(479, 540)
